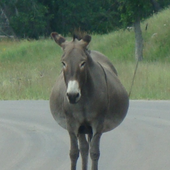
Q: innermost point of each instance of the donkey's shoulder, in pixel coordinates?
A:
(103, 61)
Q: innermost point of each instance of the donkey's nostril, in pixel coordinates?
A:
(77, 95)
(73, 97)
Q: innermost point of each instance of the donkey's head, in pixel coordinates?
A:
(75, 64)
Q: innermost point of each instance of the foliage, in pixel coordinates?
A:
(133, 10)
(30, 21)
(163, 4)
(34, 18)
(90, 16)
(132, 13)
(27, 18)
(38, 17)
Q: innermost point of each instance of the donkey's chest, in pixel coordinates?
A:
(84, 116)
(89, 107)
(85, 113)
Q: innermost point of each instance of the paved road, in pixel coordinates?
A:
(31, 140)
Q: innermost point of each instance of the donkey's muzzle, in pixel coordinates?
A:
(73, 98)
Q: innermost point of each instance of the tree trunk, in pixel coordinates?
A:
(138, 40)
(7, 30)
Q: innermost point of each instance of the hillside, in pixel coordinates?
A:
(29, 68)
(120, 44)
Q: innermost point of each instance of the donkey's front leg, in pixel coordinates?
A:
(95, 151)
(84, 150)
(74, 151)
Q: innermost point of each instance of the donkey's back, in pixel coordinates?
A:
(118, 100)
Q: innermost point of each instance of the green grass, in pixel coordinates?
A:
(28, 69)
(152, 80)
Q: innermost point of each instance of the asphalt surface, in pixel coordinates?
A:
(30, 139)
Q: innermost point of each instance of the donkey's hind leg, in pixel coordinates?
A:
(84, 150)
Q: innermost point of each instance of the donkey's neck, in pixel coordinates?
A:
(95, 78)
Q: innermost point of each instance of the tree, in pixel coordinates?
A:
(132, 12)
(159, 4)
(90, 16)
(27, 18)
(34, 18)
(155, 5)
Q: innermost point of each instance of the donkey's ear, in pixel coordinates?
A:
(86, 40)
(58, 38)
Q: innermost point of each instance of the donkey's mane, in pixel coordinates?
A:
(76, 36)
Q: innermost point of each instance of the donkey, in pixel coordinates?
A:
(87, 99)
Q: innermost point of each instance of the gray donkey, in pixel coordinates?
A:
(87, 99)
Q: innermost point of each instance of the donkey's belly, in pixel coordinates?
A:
(110, 124)
(115, 116)
(60, 118)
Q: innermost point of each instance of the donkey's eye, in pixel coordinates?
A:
(82, 64)
(64, 64)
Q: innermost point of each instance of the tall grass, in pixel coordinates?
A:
(28, 69)
(152, 80)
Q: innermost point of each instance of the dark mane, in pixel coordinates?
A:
(78, 37)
